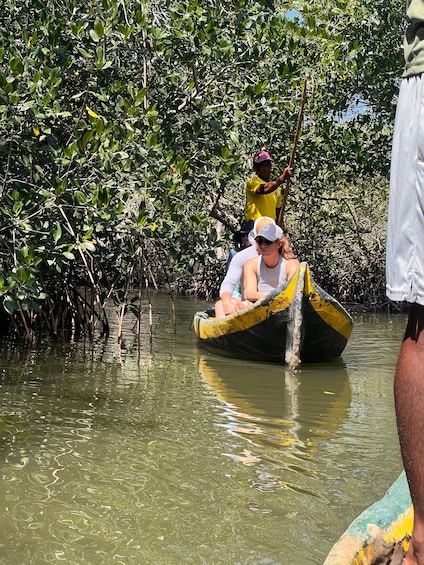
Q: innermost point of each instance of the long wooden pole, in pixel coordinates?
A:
(293, 153)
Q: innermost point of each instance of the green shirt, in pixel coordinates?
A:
(413, 44)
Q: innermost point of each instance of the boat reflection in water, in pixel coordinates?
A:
(282, 414)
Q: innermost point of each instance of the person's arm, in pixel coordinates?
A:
(233, 276)
(250, 281)
(272, 185)
(291, 267)
(229, 306)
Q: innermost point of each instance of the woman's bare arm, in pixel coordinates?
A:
(291, 267)
(250, 281)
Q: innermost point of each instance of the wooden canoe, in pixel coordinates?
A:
(380, 534)
(297, 322)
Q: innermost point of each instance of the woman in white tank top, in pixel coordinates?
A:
(276, 263)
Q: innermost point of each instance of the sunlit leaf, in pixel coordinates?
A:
(91, 112)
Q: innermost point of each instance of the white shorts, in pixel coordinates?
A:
(405, 229)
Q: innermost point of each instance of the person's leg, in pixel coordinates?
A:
(409, 402)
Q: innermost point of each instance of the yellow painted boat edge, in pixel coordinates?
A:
(326, 310)
(213, 328)
(389, 522)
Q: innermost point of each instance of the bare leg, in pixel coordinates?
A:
(409, 402)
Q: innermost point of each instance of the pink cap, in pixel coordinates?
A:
(261, 156)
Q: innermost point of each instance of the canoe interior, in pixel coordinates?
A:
(379, 535)
(320, 340)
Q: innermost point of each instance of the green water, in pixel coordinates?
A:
(165, 454)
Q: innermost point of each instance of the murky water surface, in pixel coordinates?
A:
(168, 455)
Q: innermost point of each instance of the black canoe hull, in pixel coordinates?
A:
(299, 315)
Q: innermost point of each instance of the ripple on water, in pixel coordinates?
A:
(176, 456)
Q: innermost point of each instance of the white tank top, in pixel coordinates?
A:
(268, 278)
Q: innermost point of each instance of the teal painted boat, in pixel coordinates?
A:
(380, 534)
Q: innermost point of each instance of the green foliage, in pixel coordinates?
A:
(123, 124)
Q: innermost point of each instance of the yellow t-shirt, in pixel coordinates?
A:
(258, 205)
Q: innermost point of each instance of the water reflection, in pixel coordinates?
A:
(284, 413)
(165, 454)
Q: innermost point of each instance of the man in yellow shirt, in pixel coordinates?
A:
(262, 196)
